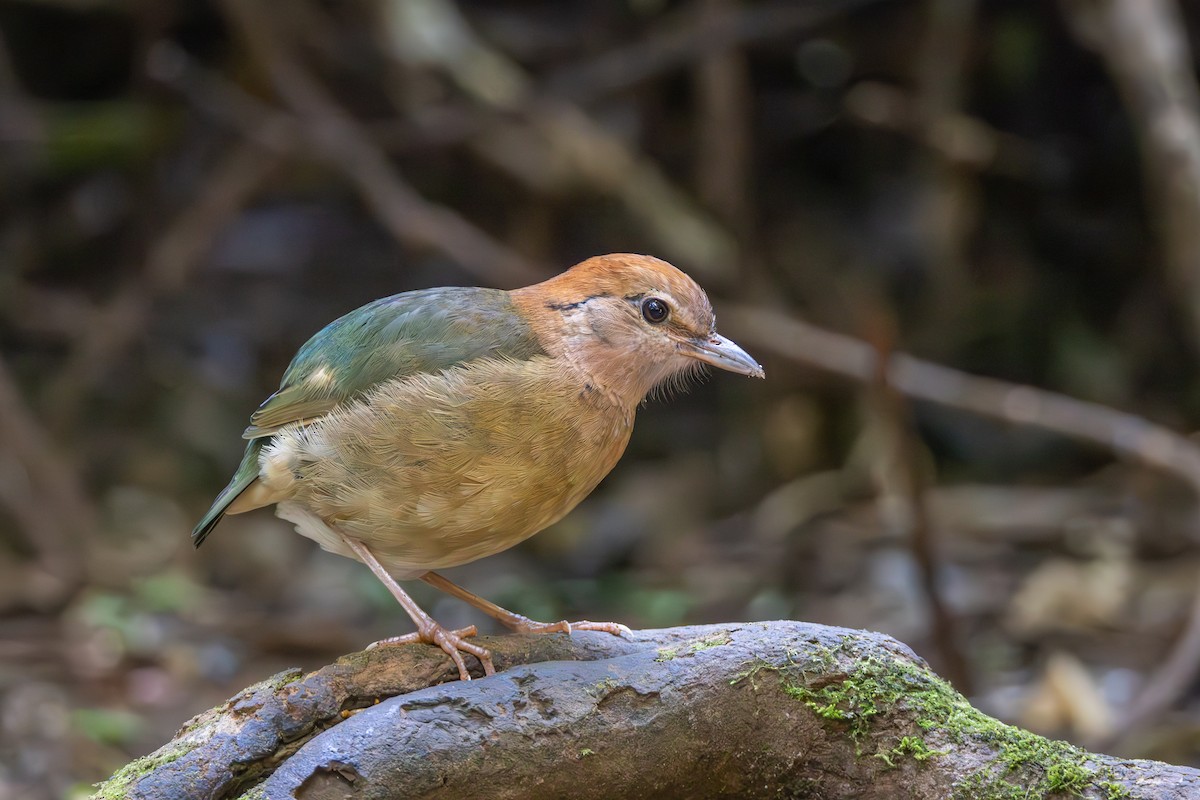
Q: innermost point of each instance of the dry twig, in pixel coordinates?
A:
(169, 262)
(903, 474)
(690, 39)
(48, 501)
(401, 209)
(947, 194)
(552, 145)
(1144, 44)
(19, 121)
(725, 133)
(963, 141)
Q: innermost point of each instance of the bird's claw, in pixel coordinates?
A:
(417, 638)
(454, 644)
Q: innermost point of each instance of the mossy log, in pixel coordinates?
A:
(780, 709)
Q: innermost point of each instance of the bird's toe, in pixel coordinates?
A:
(615, 628)
(453, 642)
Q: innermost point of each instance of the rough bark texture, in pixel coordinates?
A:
(782, 709)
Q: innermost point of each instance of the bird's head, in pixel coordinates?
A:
(631, 322)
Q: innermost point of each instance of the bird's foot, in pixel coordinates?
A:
(454, 643)
(518, 622)
(524, 625)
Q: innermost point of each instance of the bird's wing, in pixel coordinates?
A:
(407, 334)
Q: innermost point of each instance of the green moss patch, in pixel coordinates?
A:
(911, 746)
(693, 647)
(254, 793)
(874, 683)
(118, 787)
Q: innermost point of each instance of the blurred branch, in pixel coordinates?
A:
(579, 153)
(229, 104)
(944, 203)
(725, 118)
(947, 195)
(401, 209)
(41, 489)
(169, 261)
(1171, 680)
(1144, 45)
(1125, 434)
(903, 480)
(943, 58)
(19, 121)
(692, 38)
(61, 314)
(552, 145)
(538, 138)
(428, 127)
(961, 140)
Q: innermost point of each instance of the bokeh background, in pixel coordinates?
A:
(1006, 188)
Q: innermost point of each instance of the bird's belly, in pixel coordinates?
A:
(432, 477)
(453, 519)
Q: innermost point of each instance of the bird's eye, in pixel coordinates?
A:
(654, 310)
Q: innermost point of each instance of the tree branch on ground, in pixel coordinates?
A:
(746, 710)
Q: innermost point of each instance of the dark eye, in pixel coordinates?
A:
(654, 310)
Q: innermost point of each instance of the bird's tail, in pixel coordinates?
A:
(247, 471)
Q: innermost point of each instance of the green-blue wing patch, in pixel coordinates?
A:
(406, 334)
(429, 330)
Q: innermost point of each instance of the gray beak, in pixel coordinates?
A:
(715, 349)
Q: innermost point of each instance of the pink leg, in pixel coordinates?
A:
(428, 631)
(517, 622)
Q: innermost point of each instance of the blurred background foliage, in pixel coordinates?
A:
(189, 189)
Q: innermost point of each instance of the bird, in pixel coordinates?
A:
(435, 427)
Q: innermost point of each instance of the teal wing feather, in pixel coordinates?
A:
(406, 334)
(246, 472)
